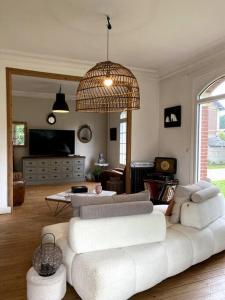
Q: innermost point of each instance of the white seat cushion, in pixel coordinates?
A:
(109, 233)
(101, 275)
(150, 262)
(202, 241)
(218, 230)
(179, 251)
(200, 215)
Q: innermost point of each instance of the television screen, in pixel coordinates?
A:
(51, 142)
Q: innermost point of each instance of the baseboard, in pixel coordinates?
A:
(5, 210)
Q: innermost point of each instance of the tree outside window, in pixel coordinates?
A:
(19, 133)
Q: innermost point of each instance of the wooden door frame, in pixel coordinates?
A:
(23, 72)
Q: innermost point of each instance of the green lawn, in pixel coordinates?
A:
(221, 185)
(216, 166)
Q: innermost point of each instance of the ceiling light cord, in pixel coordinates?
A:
(109, 27)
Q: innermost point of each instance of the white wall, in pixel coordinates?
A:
(34, 111)
(183, 88)
(113, 146)
(145, 121)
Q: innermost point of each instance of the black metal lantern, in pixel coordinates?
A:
(47, 257)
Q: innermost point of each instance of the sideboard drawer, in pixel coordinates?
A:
(56, 169)
(79, 162)
(42, 170)
(67, 169)
(43, 163)
(67, 162)
(55, 162)
(55, 176)
(79, 175)
(67, 175)
(30, 177)
(30, 163)
(43, 177)
(30, 170)
(78, 169)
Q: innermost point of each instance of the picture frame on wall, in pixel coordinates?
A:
(113, 134)
(172, 116)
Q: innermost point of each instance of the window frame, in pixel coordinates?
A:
(199, 102)
(124, 154)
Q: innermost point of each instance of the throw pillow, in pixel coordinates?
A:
(182, 194)
(142, 196)
(205, 194)
(116, 210)
(170, 208)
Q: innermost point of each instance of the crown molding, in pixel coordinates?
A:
(12, 55)
(197, 62)
(40, 95)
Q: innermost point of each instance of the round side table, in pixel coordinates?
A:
(46, 288)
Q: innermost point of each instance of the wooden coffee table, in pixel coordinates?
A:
(63, 199)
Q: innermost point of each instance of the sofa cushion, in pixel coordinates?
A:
(179, 252)
(142, 196)
(202, 241)
(78, 201)
(205, 194)
(115, 209)
(199, 215)
(99, 234)
(218, 230)
(183, 194)
(104, 275)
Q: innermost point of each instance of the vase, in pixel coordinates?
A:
(98, 189)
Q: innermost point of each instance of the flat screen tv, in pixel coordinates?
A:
(51, 142)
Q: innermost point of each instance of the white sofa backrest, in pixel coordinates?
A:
(100, 234)
(199, 215)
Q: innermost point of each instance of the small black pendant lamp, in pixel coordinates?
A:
(60, 105)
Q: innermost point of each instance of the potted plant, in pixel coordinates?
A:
(97, 170)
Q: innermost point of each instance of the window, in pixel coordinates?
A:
(19, 133)
(123, 137)
(211, 134)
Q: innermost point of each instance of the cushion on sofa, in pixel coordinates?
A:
(199, 215)
(182, 195)
(115, 209)
(141, 196)
(205, 194)
(78, 201)
(99, 234)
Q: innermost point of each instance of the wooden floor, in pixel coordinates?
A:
(20, 235)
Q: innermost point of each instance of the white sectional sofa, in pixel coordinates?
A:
(115, 258)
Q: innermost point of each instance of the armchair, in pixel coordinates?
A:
(113, 179)
(18, 188)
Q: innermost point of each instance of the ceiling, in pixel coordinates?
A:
(43, 88)
(149, 34)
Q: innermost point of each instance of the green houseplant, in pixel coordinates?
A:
(97, 170)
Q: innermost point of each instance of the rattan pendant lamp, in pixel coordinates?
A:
(108, 87)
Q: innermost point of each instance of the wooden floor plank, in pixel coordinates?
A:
(20, 235)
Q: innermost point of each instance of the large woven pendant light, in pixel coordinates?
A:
(108, 87)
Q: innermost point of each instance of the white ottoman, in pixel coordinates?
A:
(46, 288)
